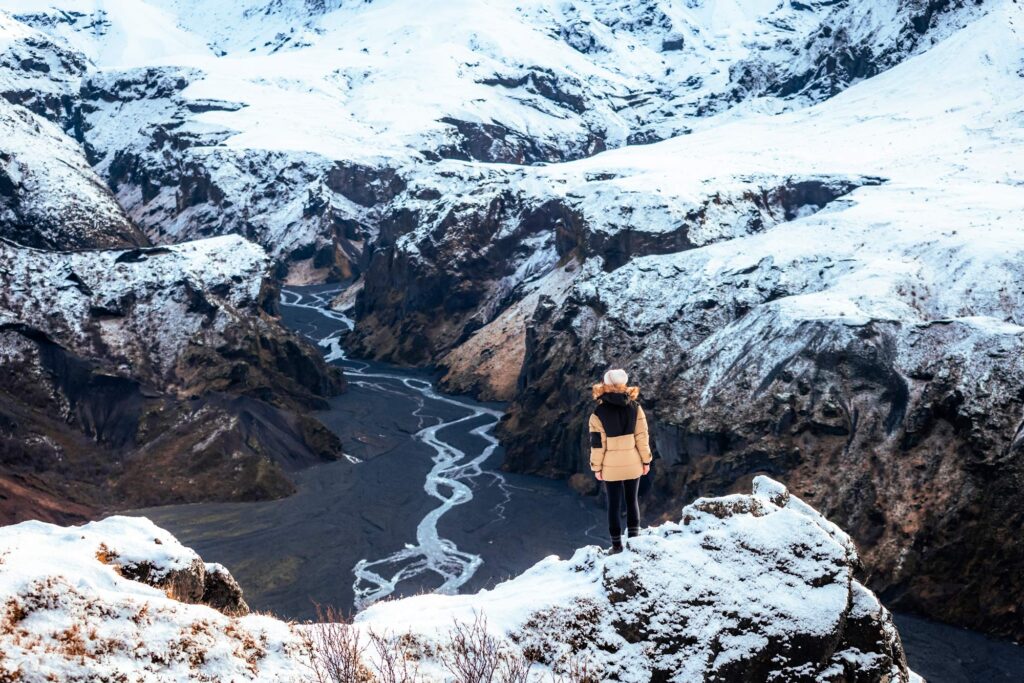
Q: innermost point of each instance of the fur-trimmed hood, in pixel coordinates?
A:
(600, 390)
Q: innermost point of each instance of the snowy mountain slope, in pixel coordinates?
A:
(134, 377)
(39, 72)
(767, 588)
(49, 195)
(209, 118)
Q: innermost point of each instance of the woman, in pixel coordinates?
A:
(620, 451)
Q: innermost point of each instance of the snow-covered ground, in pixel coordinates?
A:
(72, 614)
(755, 582)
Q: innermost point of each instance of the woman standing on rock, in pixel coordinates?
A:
(620, 450)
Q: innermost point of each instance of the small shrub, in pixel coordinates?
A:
(397, 658)
(334, 651)
(475, 656)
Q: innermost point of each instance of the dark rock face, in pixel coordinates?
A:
(440, 270)
(166, 382)
(899, 441)
(49, 196)
(222, 592)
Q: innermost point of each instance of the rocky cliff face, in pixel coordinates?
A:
(143, 376)
(857, 335)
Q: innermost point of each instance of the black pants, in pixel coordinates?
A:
(619, 491)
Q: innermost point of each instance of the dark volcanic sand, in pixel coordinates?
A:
(291, 553)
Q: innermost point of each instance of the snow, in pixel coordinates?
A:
(72, 617)
(60, 293)
(736, 574)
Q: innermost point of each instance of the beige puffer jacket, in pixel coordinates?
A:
(619, 445)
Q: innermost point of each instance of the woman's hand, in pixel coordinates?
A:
(647, 468)
(600, 477)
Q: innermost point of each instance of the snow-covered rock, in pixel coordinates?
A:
(149, 375)
(756, 586)
(40, 72)
(49, 195)
(110, 601)
(746, 587)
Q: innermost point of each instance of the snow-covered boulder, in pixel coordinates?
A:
(755, 587)
(121, 599)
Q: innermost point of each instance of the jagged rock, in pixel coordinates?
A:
(153, 376)
(747, 587)
(49, 196)
(222, 592)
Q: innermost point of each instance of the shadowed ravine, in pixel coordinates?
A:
(419, 504)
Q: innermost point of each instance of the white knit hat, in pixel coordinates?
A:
(616, 376)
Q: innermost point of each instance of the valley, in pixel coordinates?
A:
(321, 288)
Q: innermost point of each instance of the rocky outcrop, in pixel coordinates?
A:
(758, 586)
(121, 597)
(40, 72)
(153, 376)
(183, 578)
(49, 195)
(746, 587)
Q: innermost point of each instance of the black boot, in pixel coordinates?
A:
(616, 545)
